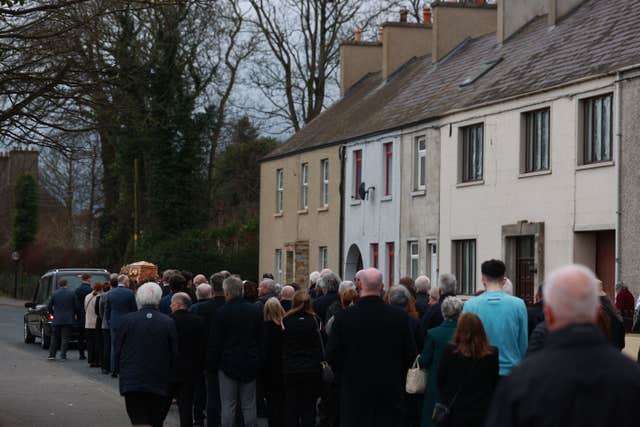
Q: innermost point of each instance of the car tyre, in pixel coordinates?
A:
(45, 340)
(28, 337)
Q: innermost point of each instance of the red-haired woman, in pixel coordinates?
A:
(468, 373)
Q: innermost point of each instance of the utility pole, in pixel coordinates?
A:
(135, 208)
(15, 256)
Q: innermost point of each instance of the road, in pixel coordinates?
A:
(36, 392)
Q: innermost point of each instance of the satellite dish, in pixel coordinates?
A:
(362, 192)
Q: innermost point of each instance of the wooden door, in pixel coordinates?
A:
(606, 260)
(525, 268)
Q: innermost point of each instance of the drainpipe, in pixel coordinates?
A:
(341, 155)
(618, 95)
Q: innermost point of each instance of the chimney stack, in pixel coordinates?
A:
(357, 59)
(357, 35)
(380, 35)
(558, 9)
(404, 13)
(426, 15)
(514, 14)
(454, 22)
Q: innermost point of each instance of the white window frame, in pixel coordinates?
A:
(324, 257)
(420, 177)
(277, 265)
(304, 186)
(324, 182)
(279, 190)
(414, 258)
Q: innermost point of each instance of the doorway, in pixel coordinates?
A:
(525, 268)
(354, 263)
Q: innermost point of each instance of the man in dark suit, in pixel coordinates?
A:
(63, 307)
(208, 312)
(82, 291)
(371, 348)
(329, 282)
(145, 352)
(235, 351)
(578, 378)
(189, 364)
(121, 301)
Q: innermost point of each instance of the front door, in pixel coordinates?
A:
(525, 268)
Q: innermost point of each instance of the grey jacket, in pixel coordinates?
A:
(102, 310)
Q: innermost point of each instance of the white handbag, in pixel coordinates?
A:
(416, 378)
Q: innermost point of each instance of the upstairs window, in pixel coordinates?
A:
(324, 183)
(472, 150)
(357, 173)
(597, 131)
(536, 141)
(414, 259)
(420, 166)
(324, 258)
(388, 168)
(464, 265)
(279, 190)
(277, 265)
(304, 186)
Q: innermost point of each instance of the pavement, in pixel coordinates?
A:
(36, 392)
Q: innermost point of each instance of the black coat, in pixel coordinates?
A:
(301, 348)
(322, 304)
(82, 291)
(207, 310)
(191, 346)
(145, 351)
(286, 304)
(237, 340)
(272, 354)
(416, 331)
(535, 315)
(474, 380)
(64, 306)
(422, 304)
(371, 348)
(578, 379)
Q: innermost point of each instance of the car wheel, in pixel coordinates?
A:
(45, 340)
(28, 338)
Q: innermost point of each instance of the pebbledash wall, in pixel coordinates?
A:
(569, 211)
(296, 232)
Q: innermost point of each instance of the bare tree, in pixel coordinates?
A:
(298, 60)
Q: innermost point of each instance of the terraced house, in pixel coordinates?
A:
(505, 131)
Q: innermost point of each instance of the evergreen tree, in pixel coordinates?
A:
(25, 214)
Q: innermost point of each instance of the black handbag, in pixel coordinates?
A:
(441, 415)
(327, 372)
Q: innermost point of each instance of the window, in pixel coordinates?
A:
(391, 256)
(388, 167)
(324, 182)
(536, 141)
(420, 167)
(374, 255)
(277, 266)
(596, 129)
(324, 258)
(279, 190)
(414, 259)
(472, 153)
(464, 265)
(304, 186)
(357, 172)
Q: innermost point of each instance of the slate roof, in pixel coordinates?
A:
(599, 37)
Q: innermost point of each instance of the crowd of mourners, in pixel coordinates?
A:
(338, 353)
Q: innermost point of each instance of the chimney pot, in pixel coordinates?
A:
(426, 15)
(380, 34)
(403, 14)
(357, 35)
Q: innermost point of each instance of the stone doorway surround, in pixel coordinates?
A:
(510, 233)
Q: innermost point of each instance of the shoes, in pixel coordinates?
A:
(114, 375)
(51, 358)
(64, 357)
(104, 371)
(94, 365)
(82, 357)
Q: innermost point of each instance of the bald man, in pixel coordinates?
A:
(371, 348)
(578, 378)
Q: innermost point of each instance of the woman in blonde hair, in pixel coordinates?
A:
(302, 357)
(272, 367)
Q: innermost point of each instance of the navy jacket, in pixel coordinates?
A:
(165, 304)
(191, 343)
(82, 291)
(63, 306)
(237, 339)
(322, 304)
(120, 302)
(145, 351)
